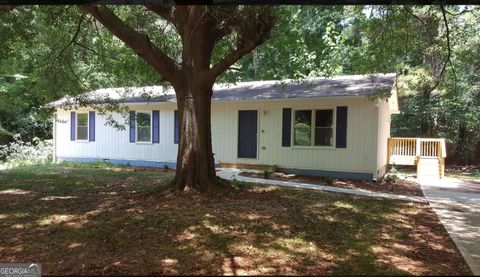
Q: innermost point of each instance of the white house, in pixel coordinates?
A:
(324, 126)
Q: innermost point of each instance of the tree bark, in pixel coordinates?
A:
(195, 164)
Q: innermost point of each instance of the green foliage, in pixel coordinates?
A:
(266, 174)
(297, 48)
(20, 153)
(50, 51)
(235, 183)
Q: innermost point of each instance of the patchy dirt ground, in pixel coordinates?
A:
(97, 221)
(401, 186)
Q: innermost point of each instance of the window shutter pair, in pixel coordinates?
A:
(341, 127)
(91, 125)
(156, 126)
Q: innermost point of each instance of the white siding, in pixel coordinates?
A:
(359, 156)
(112, 143)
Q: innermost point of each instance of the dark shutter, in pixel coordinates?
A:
(156, 125)
(341, 136)
(286, 127)
(91, 126)
(176, 128)
(72, 125)
(132, 126)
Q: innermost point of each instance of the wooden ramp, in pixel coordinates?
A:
(428, 154)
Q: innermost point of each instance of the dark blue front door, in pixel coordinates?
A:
(247, 134)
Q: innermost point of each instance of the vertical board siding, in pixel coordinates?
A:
(72, 126)
(341, 128)
(91, 126)
(360, 133)
(383, 133)
(113, 143)
(132, 126)
(156, 126)
(286, 126)
(176, 126)
(360, 156)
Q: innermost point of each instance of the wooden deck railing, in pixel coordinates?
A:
(410, 151)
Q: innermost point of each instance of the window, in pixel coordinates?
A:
(144, 127)
(303, 128)
(313, 128)
(324, 128)
(82, 126)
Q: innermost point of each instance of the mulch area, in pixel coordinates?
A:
(401, 186)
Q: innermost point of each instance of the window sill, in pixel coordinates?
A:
(313, 147)
(143, 142)
(82, 140)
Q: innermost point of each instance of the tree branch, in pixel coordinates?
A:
(172, 14)
(140, 43)
(6, 8)
(232, 57)
(74, 38)
(449, 50)
(95, 52)
(415, 16)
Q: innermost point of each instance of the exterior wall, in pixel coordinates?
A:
(383, 130)
(360, 156)
(111, 143)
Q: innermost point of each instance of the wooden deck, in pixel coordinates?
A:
(428, 154)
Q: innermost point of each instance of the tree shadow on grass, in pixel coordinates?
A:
(108, 229)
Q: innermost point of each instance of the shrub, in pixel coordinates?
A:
(165, 168)
(266, 174)
(20, 153)
(391, 177)
(235, 183)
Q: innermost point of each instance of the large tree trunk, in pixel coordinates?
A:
(195, 163)
(200, 28)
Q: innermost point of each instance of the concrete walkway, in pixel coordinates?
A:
(230, 174)
(457, 204)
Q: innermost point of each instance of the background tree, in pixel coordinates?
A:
(48, 52)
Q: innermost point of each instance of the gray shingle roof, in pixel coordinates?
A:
(353, 85)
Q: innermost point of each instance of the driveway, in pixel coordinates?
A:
(457, 204)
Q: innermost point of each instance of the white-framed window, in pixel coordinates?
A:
(313, 127)
(144, 126)
(82, 126)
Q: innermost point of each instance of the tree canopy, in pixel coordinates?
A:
(51, 51)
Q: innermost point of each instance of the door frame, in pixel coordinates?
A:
(238, 133)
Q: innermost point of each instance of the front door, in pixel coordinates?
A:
(247, 134)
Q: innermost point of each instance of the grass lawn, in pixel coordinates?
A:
(470, 175)
(84, 220)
